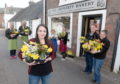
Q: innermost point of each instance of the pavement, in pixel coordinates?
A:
(70, 71)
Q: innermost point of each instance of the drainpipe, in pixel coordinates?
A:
(44, 11)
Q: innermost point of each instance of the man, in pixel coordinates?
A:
(100, 56)
(24, 31)
(88, 56)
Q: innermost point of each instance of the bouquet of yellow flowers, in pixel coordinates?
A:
(83, 39)
(62, 34)
(94, 45)
(26, 30)
(33, 51)
(14, 31)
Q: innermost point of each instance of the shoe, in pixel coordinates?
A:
(93, 81)
(14, 57)
(89, 72)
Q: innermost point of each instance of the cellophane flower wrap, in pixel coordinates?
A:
(88, 45)
(33, 51)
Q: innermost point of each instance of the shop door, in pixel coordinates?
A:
(87, 21)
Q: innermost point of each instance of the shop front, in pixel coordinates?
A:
(77, 16)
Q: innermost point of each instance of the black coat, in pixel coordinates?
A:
(8, 32)
(21, 29)
(91, 37)
(102, 53)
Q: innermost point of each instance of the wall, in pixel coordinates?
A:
(1, 20)
(111, 20)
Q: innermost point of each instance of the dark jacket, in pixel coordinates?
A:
(41, 69)
(91, 37)
(8, 32)
(102, 53)
(21, 29)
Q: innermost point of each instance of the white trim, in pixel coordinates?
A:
(44, 7)
(81, 14)
(117, 60)
(61, 15)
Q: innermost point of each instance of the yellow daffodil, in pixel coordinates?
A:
(45, 46)
(24, 48)
(33, 43)
(49, 50)
(35, 56)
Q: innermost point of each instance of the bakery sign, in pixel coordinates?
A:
(84, 5)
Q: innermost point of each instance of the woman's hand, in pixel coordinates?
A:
(48, 59)
(12, 35)
(30, 64)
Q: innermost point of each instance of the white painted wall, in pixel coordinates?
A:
(17, 25)
(117, 60)
(63, 2)
(35, 23)
(7, 17)
(81, 14)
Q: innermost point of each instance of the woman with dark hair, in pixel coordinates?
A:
(40, 71)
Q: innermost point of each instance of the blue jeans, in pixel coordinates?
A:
(89, 62)
(36, 79)
(97, 63)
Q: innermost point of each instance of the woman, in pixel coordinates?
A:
(12, 35)
(24, 31)
(63, 43)
(39, 71)
(53, 37)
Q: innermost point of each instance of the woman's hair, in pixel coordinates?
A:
(46, 37)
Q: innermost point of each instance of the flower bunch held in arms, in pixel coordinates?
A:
(44, 52)
(14, 31)
(33, 51)
(83, 39)
(26, 30)
(62, 34)
(52, 37)
(94, 45)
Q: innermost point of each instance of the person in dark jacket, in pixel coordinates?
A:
(24, 31)
(88, 56)
(63, 43)
(40, 71)
(12, 34)
(100, 56)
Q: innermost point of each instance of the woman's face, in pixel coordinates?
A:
(42, 32)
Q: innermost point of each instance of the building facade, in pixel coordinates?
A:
(78, 15)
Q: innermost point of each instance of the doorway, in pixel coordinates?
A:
(81, 28)
(87, 21)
